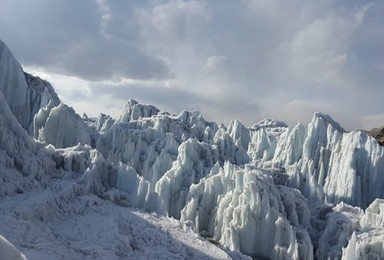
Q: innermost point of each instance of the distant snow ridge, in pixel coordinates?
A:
(272, 126)
(134, 111)
(269, 191)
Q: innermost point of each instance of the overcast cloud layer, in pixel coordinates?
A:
(244, 60)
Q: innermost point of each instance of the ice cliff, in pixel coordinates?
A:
(37, 107)
(270, 190)
(24, 94)
(243, 209)
(328, 164)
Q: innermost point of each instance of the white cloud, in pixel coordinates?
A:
(105, 16)
(215, 64)
(320, 50)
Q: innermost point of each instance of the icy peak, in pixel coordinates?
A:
(3, 47)
(43, 88)
(188, 114)
(328, 120)
(193, 118)
(133, 110)
(24, 93)
(130, 103)
(268, 123)
(239, 133)
(271, 126)
(235, 124)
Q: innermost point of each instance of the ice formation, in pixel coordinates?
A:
(236, 205)
(271, 190)
(328, 164)
(367, 242)
(8, 251)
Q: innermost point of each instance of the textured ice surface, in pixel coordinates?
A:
(367, 241)
(61, 127)
(23, 93)
(236, 205)
(328, 164)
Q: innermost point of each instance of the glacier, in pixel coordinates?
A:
(177, 186)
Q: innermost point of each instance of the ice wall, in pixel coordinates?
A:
(367, 241)
(24, 93)
(37, 107)
(134, 111)
(340, 222)
(232, 143)
(243, 210)
(8, 251)
(193, 162)
(62, 127)
(325, 162)
(103, 123)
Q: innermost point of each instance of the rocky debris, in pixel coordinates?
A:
(378, 134)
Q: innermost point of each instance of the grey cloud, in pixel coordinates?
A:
(366, 52)
(99, 58)
(328, 36)
(66, 37)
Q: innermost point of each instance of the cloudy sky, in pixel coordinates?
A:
(245, 59)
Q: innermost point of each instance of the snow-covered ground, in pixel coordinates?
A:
(151, 185)
(50, 223)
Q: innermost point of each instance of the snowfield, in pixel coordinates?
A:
(152, 185)
(49, 223)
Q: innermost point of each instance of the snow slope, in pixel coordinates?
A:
(65, 222)
(269, 191)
